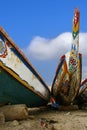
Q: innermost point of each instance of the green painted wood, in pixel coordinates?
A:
(11, 91)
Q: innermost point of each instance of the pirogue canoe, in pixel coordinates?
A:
(19, 81)
(67, 79)
(82, 95)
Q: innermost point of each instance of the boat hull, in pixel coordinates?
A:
(13, 92)
(19, 81)
(82, 95)
(67, 79)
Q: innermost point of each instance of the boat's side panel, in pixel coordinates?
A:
(67, 80)
(74, 66)
(13, 92)
(59, 75)
(10, 59)
(82, 96)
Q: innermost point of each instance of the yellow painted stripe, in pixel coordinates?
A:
(76, 28)
(25, 84)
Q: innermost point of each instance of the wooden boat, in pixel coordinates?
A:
(82, 95)
(19, 81)
(67, 79)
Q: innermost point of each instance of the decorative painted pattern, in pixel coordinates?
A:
(15, 63)
(76, 23)
(67, 78)
(75, 32)
(72, 64)
(3, 48)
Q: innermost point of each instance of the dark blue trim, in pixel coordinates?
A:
(2, 37)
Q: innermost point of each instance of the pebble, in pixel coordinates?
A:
(2, 118)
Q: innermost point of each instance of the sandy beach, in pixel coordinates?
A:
(49, 119)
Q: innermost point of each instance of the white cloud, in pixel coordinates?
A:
(83, 44)
(50, 49)
(45, 49)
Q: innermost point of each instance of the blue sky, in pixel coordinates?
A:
(42, 29)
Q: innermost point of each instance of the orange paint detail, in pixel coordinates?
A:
(65, 67)
(4, 54)
(76, 20)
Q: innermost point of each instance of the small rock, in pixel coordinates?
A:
(2, 118)
(14, 123)
(68, 113)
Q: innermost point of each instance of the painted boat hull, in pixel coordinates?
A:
(19, 81)
(67, 79)
(82, 95)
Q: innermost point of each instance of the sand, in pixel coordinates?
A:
(49, 119)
